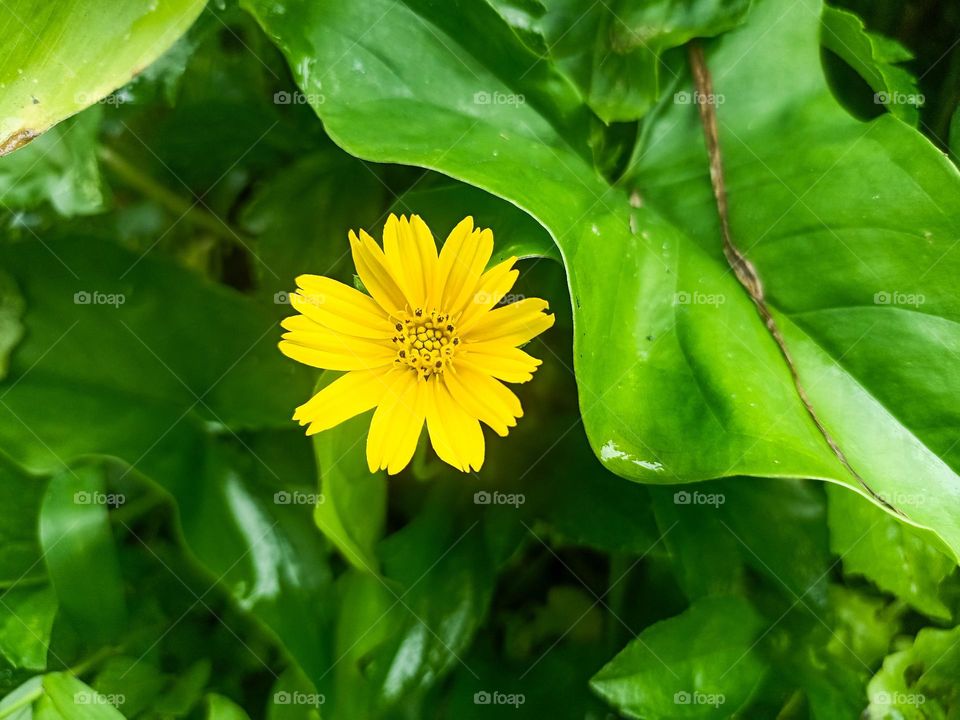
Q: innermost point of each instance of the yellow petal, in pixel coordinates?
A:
(502, 361)
(396, 424)
(340, 308)
(485, 398)
(411, 254)
(463, 258)
(335, 352)
(376, 276)
(455, 435)
(348, 395)
(512, 324)
(494, 284)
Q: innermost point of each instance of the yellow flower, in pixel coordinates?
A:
(426, 345)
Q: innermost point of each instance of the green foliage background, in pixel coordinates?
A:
(171, 545)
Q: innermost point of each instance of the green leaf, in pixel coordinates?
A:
(179, 401)
(67, 698)
(79, 552)
(613, 50)
(919, 682)
(875, 59)
(55, 61)
(221, 708)
(137, 680)
(26, 621)
(353, 508)
(11, 324)
(59, 168)
(688, 340)
(867, 209)
(701, 663)
(901, 559)
(293, 697)
(27, 604)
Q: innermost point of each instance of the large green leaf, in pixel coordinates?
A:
(191, 401)
(56, 60)
(670, 353)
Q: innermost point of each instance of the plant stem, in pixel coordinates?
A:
(177, 205)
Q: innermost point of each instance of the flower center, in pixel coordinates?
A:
(426, 341)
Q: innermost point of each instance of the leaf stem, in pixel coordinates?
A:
(191, 211)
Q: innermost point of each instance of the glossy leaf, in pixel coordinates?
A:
(55, 64)
(687, 339)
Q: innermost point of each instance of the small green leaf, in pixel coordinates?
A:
(67, 698)
(221, 708)
(920, 681)
(902, 559)
(699, 664)
(875, 58)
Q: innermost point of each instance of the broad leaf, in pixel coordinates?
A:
(54, 59)
(669, 351)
